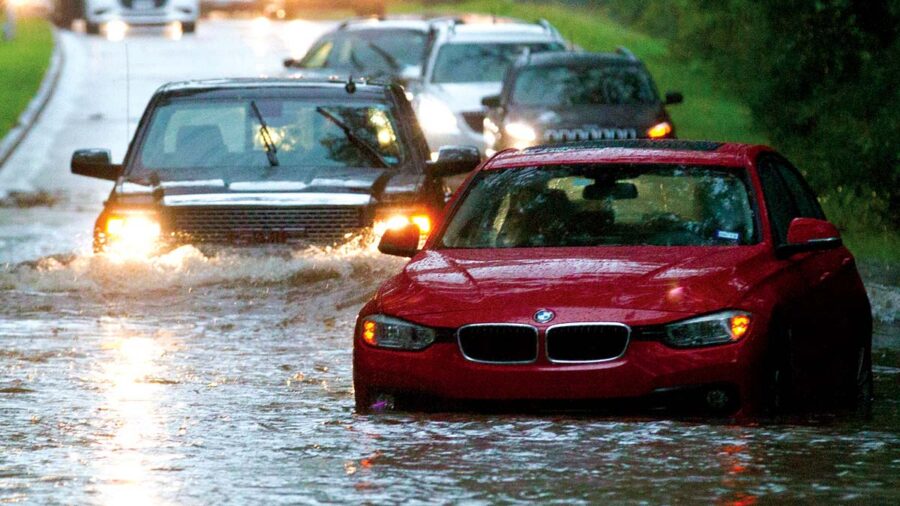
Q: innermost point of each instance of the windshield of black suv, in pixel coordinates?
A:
(481, 62)
(369, 52)
(594, 205)
(223, 138)
(580, 85)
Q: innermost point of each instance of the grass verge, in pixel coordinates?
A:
(23, 62)
(708, 112)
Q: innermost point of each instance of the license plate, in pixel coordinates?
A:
(143, 4)
(258, 236)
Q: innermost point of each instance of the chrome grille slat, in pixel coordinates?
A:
(586, 342)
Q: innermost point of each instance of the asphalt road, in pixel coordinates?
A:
(198, 378)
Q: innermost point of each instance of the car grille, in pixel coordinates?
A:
(586, 342)
(499, 344)
(320, 224)
(475, 120)
(130, 4)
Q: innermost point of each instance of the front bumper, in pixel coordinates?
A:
(648, 370)
(154, 17)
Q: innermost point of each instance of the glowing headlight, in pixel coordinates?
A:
(436, 117)
(116, 30)
(398, 221)
(659, 130)
(522, 135)
(133, 233)
(719, 328)
(386, 332)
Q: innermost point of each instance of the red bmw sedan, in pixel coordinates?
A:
(675, 274)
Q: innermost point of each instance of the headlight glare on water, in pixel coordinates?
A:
(387, 332)
(718, 328)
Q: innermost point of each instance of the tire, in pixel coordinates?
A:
(189, 27)
(363, 399)
(92, 28)
(863, 386)
(780, 380)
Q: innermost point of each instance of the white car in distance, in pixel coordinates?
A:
(98, 13)
(467, 61)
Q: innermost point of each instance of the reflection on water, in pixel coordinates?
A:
(132, 407)
(209, 377)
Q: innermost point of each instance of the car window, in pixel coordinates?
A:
(805, 200)
(189, 138)
(592, 205)
(567, 85)
(481, 62)
(779, 202)
(370, 51)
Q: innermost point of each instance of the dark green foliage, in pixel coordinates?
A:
(821, 76)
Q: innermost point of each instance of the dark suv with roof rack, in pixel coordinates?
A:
(250, 161)
(558, 97)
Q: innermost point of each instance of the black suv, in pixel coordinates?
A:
(556, 97)
(269, 161)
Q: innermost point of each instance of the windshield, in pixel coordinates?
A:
(483, 62)
(593, 205)
(563, 85)
(223, 139)
(370, 52)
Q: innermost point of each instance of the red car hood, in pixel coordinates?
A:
(636, 285)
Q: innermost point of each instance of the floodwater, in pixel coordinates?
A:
(225, 377)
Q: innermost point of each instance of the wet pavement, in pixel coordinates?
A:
(225, 377)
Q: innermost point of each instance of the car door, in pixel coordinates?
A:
(818, 320)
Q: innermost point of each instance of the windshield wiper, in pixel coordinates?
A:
(355, 139)
(387, 57)
(271, 152)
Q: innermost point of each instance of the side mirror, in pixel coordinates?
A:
(809, 234)
(674, 97)
(453, 160)
(95, 163)
(290, 62)
(491, 102)
(401, 242)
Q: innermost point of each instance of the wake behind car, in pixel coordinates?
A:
(557, 97)
(690, 275)
(248, 161)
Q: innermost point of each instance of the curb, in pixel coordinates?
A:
(32, 113)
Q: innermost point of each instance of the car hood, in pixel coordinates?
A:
(463, 97)
(590, 122)
(346, 186)
(636, 285)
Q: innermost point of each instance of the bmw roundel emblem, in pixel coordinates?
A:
(544, 315)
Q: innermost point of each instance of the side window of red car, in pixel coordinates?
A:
(779, 201)
(803, 196)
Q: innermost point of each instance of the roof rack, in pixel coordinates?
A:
(624, 51)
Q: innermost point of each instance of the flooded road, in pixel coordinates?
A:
(225, 377)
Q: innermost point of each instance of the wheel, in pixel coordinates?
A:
(363, 398)
(189, 27)
(780, 378)
(862, 391)
(92, 28)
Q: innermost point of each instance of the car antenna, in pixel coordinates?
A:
(127, 96)
(350, 86)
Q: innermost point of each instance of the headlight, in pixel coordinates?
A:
(133, 233)
(719, 328)
(660, 130)
(386, 332)
(522, 135)
(436, 117)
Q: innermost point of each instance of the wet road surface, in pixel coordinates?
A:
(225, 376)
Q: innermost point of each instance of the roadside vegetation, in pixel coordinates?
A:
(23, 62)
(758, 72)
